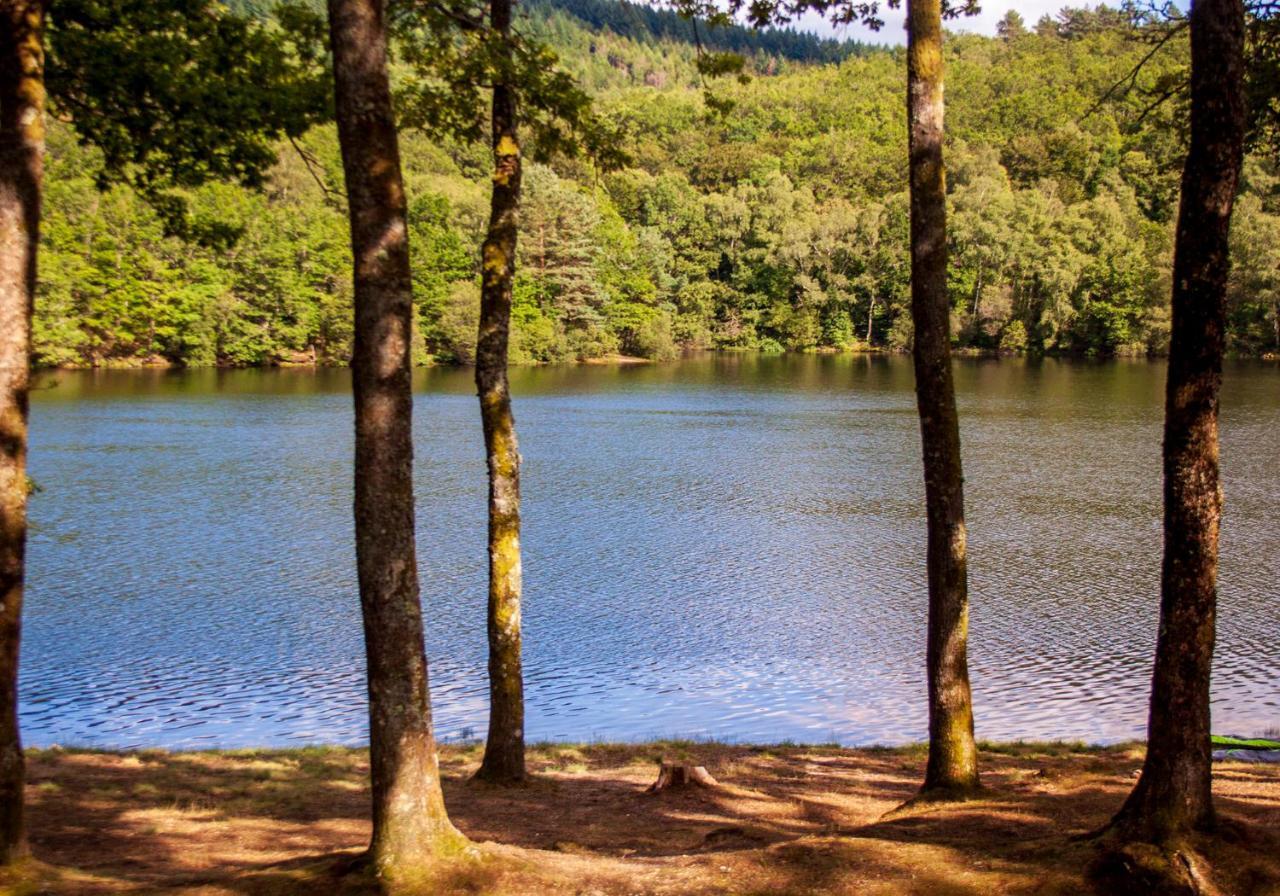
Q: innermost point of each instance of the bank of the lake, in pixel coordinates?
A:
(309, 362)
(796, 820)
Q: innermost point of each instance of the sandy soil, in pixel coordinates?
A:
(786, 820)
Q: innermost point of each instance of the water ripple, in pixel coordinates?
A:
(728, 547)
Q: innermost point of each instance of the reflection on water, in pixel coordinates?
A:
(729, 546)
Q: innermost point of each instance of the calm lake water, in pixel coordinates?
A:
(728, 547)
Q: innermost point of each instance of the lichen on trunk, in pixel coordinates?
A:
(503, 760)
(952, 765)
(21, 180)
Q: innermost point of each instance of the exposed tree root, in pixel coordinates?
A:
(1145, 869)
(926, 800)
(490, 778)
(351, 864)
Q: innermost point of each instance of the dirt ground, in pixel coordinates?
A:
(786, 820)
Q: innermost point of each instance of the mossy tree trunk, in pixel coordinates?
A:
(1173, 794)
(504, 749)
(410, 825)
(952, 765)
(21, 180)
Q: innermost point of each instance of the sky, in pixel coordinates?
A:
(983, 23)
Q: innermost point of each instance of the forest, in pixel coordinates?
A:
(778, 224)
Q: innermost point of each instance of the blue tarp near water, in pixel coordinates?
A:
(1271, 756)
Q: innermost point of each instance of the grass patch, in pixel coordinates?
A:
(1244, 743)
(1042, 747)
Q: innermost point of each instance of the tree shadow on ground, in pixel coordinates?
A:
(155, 820)
(786, 820)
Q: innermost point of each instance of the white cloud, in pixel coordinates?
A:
(893, 31)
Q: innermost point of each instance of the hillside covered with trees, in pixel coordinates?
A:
(769, 214)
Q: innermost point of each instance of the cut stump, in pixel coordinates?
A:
(681, 774)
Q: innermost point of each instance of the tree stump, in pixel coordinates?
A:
(681, 774)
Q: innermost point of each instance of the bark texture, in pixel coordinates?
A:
(1172, 796)
(21, 178)
(952, 762)
(680, 775)
(410, 825)
(504, 748)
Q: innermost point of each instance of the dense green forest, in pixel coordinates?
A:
(779, 224)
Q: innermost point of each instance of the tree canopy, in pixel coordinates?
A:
(134, 78)
(779, 226)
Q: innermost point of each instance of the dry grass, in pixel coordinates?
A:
(787, 820)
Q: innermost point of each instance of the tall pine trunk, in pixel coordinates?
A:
(504, 749)
(21, 179)
(1173, 794)
(952, 765)
(410, 825)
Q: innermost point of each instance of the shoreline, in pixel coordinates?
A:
(675, 744)
(152, 364)
(679, 746)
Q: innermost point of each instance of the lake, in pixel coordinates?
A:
(730, 546)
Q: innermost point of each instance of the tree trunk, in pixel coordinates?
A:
(1275, 319)
(410, 825)
(504, 749)
(679, 775)
(21, 180)
(952, 755)
(1173, 794)
(871, 311)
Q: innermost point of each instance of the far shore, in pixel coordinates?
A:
(616, 360)
(784, 819)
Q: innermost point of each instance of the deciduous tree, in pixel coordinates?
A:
(22, 101)
(952, 767)
(504, 748)
(411, 828)
(1173, 795)
(455, 55)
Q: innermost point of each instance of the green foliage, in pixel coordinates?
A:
(115, 288)
(650, 24)
(450, 60)
(442, 258)
(780, 226)
(175, 93)
(1253, 292)
(1014, 338)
